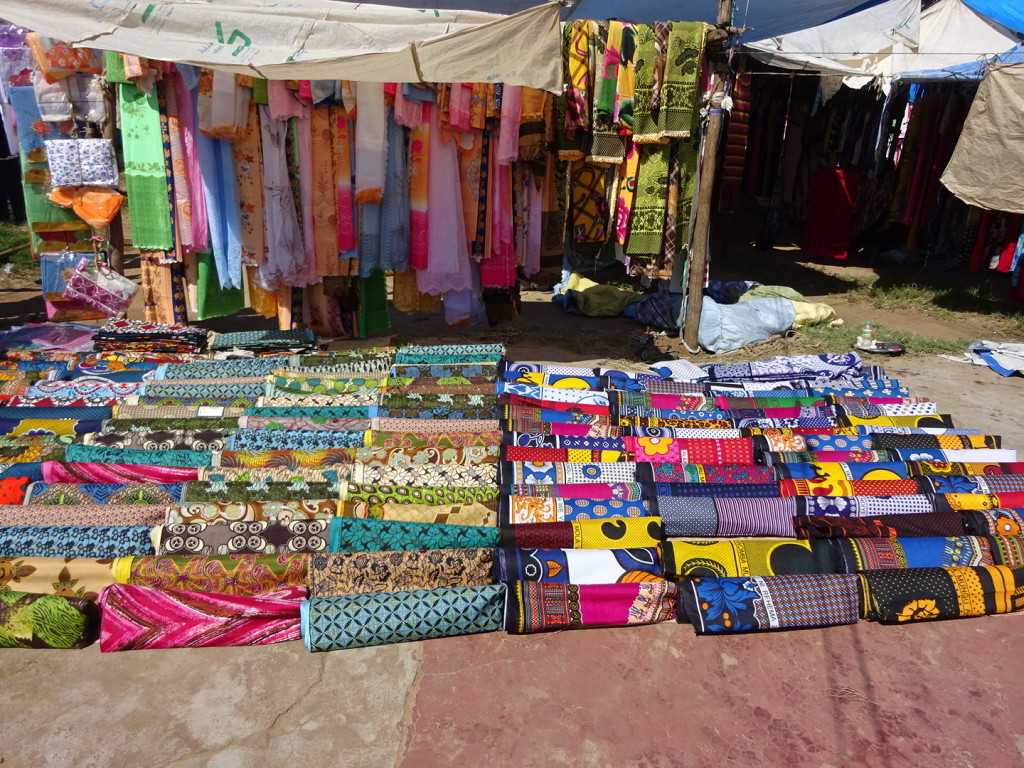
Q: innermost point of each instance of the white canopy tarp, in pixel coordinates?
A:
(985, 169)
(313, 39)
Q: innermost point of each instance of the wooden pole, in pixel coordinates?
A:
(115, 233)
(702, 208)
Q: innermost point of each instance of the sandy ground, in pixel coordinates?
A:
(946, 694)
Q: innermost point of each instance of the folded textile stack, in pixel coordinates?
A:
(140, 336)
(379, 496)
(265, 341)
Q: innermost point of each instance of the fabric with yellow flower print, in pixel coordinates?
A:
(70, 577)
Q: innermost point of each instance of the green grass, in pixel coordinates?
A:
(21, 261)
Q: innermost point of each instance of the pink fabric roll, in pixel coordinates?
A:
(91, 472)
(135, 618)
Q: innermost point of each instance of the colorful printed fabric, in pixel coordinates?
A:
(97, 514)
(324, 457)
(357, 621)
(365, 572)
(852, 555)
(265, 340)
(397, 494)
(1006, 550)
(265, 537)
(994, 522)
(225, 491)
(937, 524)
(277, 474)
(289, 439)
(224, 574)
(705, 516)
(67, 576)
(454, 514)
(926, 594)
(46, 621)
(515, 510)
(98, 454)
(136, 618)
(429, 475)
(620, 533)
(251, 511)
(62, 472)
(132, 424)
(48, 426)
(712, 473)
(368, 535)
(887, 465)
(787, 368)
(161, 440)
(304, 423)
(840, 442)
(764, 603)
(866, 506)
(832, 487)
(939, 442)
(84, 494)
(540, 606)
(94, 541)
(578, 566)
(556, 473)
(747, 557)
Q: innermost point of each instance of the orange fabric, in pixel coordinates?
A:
(96, 206)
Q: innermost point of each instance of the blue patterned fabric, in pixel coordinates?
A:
(322, 412)
(100, 454)
(294, 439)
(838, 442)
(357, 621)
(63, 413)
(368, 535)
(220, 369)
(105, 493)
(90, 541)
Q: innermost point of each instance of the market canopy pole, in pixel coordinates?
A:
(702, 222)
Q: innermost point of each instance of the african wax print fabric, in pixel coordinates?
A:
(224, 491)
(514, 510)
(806, 461)
(619, 533)
(137, 618)
(563, 455)
(38, 413)
(303, 423)
(940, 442)
(455, 514)
(368, 535)
(48, 426)
(251, 511)
(198, 413)
(712, 473)
(292, 439)
(356, 573)
(435, 426)
(447, 412)
(786, 368)
(557, 473)
(971, 484)
(162, 440)
(264, 537)
(839, 442)
(966, 456)
(323, 457)
(397, 494)
(541, 440)
(443, 370)
(193, 401)
(224, 574)
(745, 557)
(153, 458)
(534, 606)
(219, 369)
(852, 555)
(927, 594)
(264, 340)
(765, 603)
(834, 487)
(310, 412)
(866, 506)
(936, 524)
(95, 514)
(578, 566)
(322, 385)
(79, 494)
(358, 621)
(67, 576)
(162, 425)
(1006, 550)
(46, 621)
(705, 516)
(994, 522)
(92, 541)
(277, 474)
(426, 475)
(932, 420)
(62, 472)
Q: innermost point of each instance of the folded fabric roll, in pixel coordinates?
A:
(840, 443)
(114, 474)
(927, 420)
(79, 494)
(225, 574)
(46, 621)
(966, 455)
(514, 510)
(367, 535)
(972, 484)
(994, 522)
(293, 439)
(852, 555)
(926, 468)
(305, 423)
(764, 603)
(429, 475)
(36, 426)
(633, 491)
(937, 524)
(741, 474)
(397, 494)
(91, 541)
(585, 534)
(568, 456)
(267, 537)
(534, 606)
(352, 573)
(578, 566)
(136, 618)
(168, 439)
(251, 511)
(835, 487)
(868, 506)
(540, 440)
(1006, 550)
(67, 576)
(264, 340)
(848, 465)
(356, 621)
(455, 514)
(926, 594)
(148, 457)
(332, 475)
(94, 514)
(326, 457)
(941, 442)
(746, 557)
(219, 490)
(558, 473)
(706, 516)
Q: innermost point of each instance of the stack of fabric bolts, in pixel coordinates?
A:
(162, 499)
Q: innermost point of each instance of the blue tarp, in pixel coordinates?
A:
(972, 70)
(1009, 13)
(768, 17)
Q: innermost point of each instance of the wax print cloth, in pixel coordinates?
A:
(90, 514)
(356, 621)
(265, 537)
(371, 535)
(542, 606)
(927, 594)
(936, 524)
(251, 511)
(79, 494)
(745, 557)
(764, 603)
(67, 576)
(578, 566)
(136, 618)
(585, 534)
(93, 541)
(398, 571)
(46, 621)
(223, 574)
(525, 509)
(853, 555)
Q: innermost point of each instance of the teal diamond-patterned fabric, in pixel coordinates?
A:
(356, 621)
(350, 534)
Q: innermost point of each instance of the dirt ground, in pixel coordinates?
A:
(939, 694)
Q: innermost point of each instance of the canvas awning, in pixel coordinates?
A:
(313, 39)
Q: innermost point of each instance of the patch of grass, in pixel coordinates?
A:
(21, 262)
